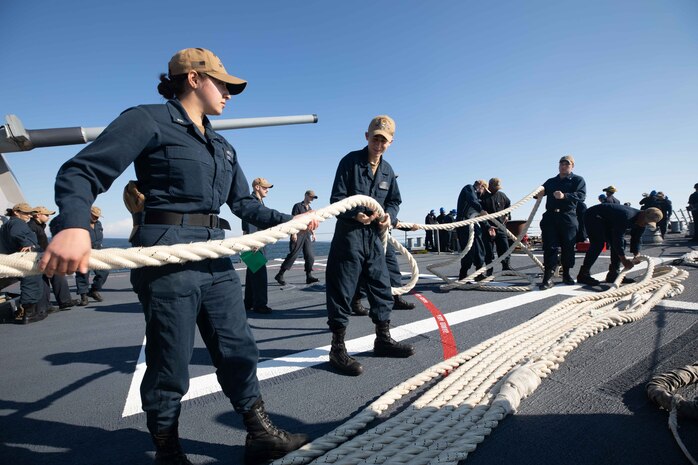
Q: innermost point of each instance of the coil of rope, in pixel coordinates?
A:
(484, 383)
(662, 391)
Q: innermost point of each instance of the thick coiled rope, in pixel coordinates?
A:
(662, 391)
(484, 383)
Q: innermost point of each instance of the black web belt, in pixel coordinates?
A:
(208, 220)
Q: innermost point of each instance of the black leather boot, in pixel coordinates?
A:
(584, 277)
(339, 358)
(566, 277)
(280, 278)
(265, 441)
(168, 451)
(401, 304)
(357, 307)
(28, 313)
(94, 293)
(310, 279)
(547, 282)
(612, 274)
(386, 346)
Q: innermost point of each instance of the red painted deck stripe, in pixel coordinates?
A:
(447, 340)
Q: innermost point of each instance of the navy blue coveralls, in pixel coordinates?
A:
(493, 203)
(303, 242)
(14, 236)
(190, 175)
(693, 206)
(559, 224)
(255, 283)
(356, 250)
(58, 283)
(393, 272)
(607, 223)
(469, 206)
(82, 280)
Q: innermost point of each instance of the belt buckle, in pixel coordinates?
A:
(213, 221)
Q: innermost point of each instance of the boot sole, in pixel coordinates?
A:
(393, 354)
(267, 454)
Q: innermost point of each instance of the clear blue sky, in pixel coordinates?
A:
(477, 88)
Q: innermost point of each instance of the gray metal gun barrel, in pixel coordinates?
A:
(15, 138)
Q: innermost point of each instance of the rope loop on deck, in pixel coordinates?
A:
(450, 415)
(662, 391)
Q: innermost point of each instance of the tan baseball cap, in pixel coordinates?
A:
(311, 193)
(23, 208)
(43, 210)
(262, 182)
(653, 215)
(483, 183)
(610, 189)
(96, 211)
(204, 61)
(568, 158)
(383, 125)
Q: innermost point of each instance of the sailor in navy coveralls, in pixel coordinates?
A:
(186, 172)
(559, 224)
(607, 223)
(356, 250)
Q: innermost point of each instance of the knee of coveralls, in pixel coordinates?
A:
(502, 242)
(487, 245)
(377, 277)
(294, 248)
(597, 237)
(567, 231)
(463, 233)
(550, 240)
(61, 290)
(82, 282)
(31, 289)
(99, 279)
(344, 267)
(224, 329)
(308, 254)
(477, 251)
(360, 289)
(170, 296)
(393, 266)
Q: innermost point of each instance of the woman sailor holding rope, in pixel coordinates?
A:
(186, 172)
